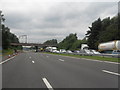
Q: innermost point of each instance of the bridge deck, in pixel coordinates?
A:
(30, 44)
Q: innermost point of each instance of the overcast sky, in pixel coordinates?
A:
(42, 21)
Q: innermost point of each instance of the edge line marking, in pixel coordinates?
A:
(6, 60)
(61, 60)
(111, 72)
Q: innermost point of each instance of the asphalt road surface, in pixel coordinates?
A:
(39, 70)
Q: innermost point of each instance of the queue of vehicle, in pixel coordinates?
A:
(113, 46)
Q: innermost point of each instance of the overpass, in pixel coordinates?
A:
(32, 44)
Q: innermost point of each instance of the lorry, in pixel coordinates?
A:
(51, 49)
(112, 45)
(85, 49)
(84, 46)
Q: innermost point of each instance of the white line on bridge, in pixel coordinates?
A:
(111, 72)
(62, 60)
(7, 60)
(47, 84)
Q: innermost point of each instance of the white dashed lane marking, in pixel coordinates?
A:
(62, 60)
(47, 84)
(33, 61)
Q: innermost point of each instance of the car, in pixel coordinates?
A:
(62, 51)
(68, 51)
(88, 51)
(95, 52)
(76, 51)
(55, 51)
(116, 52)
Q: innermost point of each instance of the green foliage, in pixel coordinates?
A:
(103, 31)
(51, 42)
(68, 42)
(7, 52)
(71, 43)
(112, 59)
(8, 37)
(93, 33)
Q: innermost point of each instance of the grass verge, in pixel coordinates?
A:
(90, 57)
(7, 52)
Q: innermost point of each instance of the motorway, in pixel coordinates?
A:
(40, 70)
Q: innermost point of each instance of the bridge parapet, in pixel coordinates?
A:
(30, 44)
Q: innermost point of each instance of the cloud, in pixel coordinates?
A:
(42, 21)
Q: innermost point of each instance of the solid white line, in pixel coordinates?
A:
(111, 72)
(111, 62)
(102, 61)
(62, 60)
(47, 84)
(33, 61)
(90, 59)
(93, 60)
(6, 60)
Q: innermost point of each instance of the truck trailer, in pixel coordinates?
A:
(112, 45)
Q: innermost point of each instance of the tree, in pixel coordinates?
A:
(68, 42)
(111, 32)
(7, 37)
(103, 31)
(71, 42)
(93, 33)
(51, 42)
(76, 45)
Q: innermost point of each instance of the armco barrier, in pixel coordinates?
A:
(102, 54)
